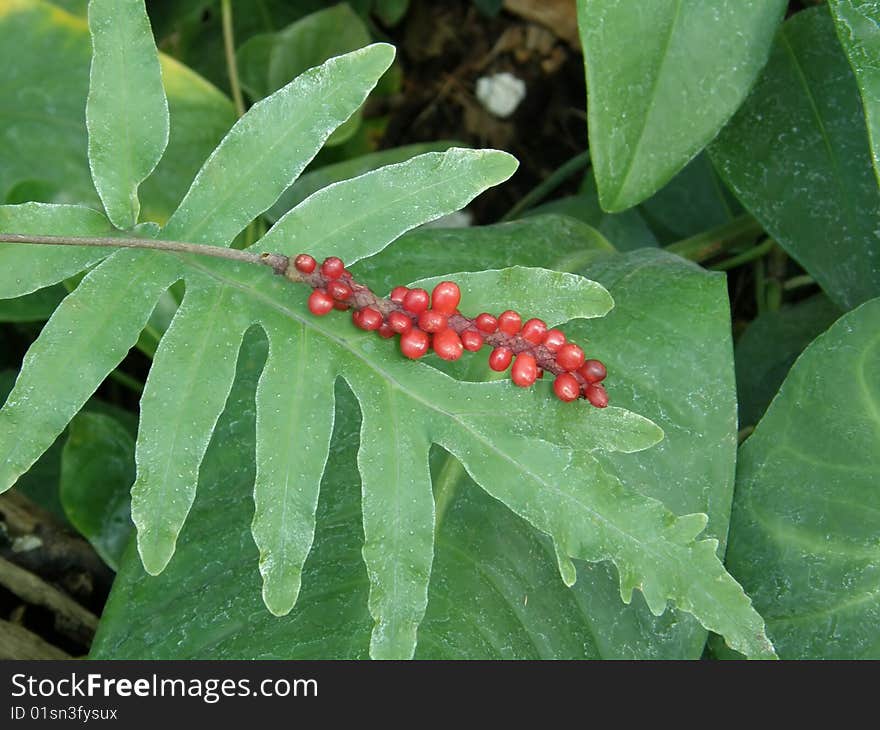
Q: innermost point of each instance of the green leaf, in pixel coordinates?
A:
(387, 202)
(803, 535)
(35, 307)
(42, 117)
(25, 269)
(858, 28)
(271, 145)
(390, 12)
(797, 156)
(97, 470)
(269, 60)
(627, 231)
(768, 348)
(689, 55)
(495, 588)
(312, 182)
(126, 110)
(525, 290)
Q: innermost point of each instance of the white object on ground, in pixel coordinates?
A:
(501, 93)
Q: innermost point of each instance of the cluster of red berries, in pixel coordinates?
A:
(432, 321)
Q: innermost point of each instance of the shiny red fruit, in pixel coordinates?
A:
(553, 340)
(486, 323)
(569, 356)
(472, 341)
(399, 322)
(446, 297)
(304, 263)
(509, 322)
(432, 321)
(566, 387)
(416, 301)
(593, 371)
(414, 344)
(525, 370)
(534, 330)
(332, 267)
(499, 358)
(447, 344)
(320, 302)
(596, 395)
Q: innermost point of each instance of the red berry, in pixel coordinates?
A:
(332, 267)
(398, 293)
(432, 321)
(447, 344)
(414, 344)
(534, 330)
(500, 358)
(570, 357)
(553, 340)
(509, 322)
(367, 318)
(385, 331)
(343, 306)
(596, 395)
(399, 322)
(525, 370)
(487, 323)
(304, 263)
(339, 290)
(593, 371)
(566, 387)
(445, 297)
(472, 341)
(416, 300)
(320, 302)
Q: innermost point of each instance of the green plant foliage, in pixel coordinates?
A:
(127, 139)
(270, 60)
(42, 108)
(36, 307)
(797, 155)
(97, 471)
(858, 28)
(768, 348)
(494, 591)
(570, 472)
(803, 535)
(701, 56)
(312, 181)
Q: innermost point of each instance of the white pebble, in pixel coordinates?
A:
(501, 93)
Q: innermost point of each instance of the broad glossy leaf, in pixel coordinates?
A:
(45, 52)
(646, 63)
(126, 110)
(626, 231)
(797, 156)
(313, 181)
(495, 589)
(768, 348)
(803, 535)
(97, 470)
(858, 28)
(694, 201)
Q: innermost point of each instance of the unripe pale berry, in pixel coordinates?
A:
(398, 293)
(500, 358)
(414, 344)
(472, 341)
(416, 301)
(570, 357)
(509, 322)
(445, 297)
(447, 344)
(596, 395)
(533, 331)
(566, 387)
(486, 323)
(332, 267)
(367, 318)
(339, 290)
(525, 370)
(553, 340)
(304, 263)
(320, 302)
(593, 371)
(432, 321)
(399, 322)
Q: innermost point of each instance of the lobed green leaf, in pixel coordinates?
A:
(126, 109)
